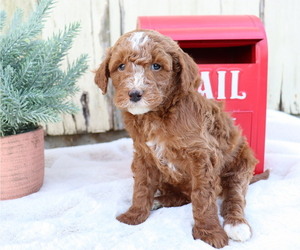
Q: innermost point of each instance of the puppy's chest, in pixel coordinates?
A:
(166, 159)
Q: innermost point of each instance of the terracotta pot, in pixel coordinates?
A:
(21, 164)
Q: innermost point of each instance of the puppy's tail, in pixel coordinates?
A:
(262, 176)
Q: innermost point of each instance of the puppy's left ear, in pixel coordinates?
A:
(188, 71)
(102, 73)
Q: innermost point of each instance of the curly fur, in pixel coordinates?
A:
(186, 146)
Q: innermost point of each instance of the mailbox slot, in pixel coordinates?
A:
(223, 52)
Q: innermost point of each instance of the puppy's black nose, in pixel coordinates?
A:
(135, 95)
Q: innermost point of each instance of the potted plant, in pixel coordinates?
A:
(34, 90)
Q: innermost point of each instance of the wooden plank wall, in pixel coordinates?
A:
(103, 21)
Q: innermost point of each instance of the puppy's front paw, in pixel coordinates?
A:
(216, 237)
(133, 216)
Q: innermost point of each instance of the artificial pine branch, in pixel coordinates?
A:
(33, 87)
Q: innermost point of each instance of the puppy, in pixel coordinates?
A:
(187, 148)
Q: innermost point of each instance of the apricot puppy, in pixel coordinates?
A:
(186, 146)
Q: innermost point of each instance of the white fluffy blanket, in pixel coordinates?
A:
(86, 187)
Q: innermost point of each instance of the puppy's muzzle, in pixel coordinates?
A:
(135, 95)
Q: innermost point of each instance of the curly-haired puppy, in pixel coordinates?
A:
(187, 148)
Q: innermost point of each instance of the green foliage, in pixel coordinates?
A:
(33, 87)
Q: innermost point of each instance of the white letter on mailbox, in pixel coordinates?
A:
(221, 84)
(234, 86)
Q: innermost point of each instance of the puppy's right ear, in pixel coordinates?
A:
(102, 73)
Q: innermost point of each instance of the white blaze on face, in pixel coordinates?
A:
(137, 39)
(137, 82)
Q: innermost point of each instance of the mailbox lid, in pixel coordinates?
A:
(205, 27)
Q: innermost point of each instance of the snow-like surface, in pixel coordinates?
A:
(86, 187)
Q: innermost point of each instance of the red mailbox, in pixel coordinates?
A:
(231, 52)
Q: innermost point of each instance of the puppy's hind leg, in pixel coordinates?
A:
(235, 185)
(170, 196)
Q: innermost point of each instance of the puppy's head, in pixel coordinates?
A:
(146, 69)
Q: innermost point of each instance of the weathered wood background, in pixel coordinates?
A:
(103, 21)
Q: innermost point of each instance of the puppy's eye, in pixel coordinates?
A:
(155, 66)
(121, 67)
